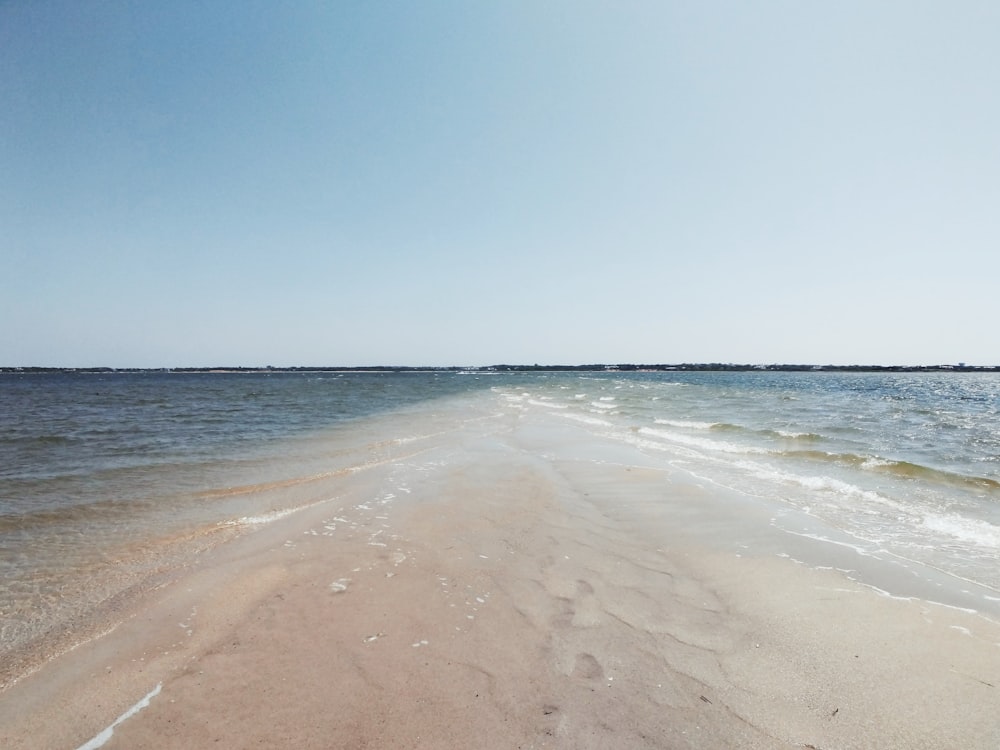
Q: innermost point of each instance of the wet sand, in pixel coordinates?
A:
(511, 584)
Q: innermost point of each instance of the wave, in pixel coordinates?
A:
(547, 404)
(908, 470)
(603, 405)
(686, 424)
(782, 444)
(586, 420)
(980, 533)
(727, 446)
(805, 437)
(730, 427)
(37, 440)
(818, 483)
(784, 436)
(773, 434)
(894, 468)
(853, 460)
(699, 442)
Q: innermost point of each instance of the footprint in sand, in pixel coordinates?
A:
(587, 667)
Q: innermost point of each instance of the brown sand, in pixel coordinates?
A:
(506, 600)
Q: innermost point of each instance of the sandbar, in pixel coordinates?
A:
(507, 583)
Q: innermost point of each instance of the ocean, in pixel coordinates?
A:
(111, 483)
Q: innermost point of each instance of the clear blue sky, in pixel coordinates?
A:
(294, 183)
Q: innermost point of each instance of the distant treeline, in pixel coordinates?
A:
(684, 367)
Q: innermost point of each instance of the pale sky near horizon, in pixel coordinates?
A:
(472, 183)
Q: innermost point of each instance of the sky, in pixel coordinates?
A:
(474, 183)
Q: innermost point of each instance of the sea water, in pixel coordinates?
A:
(896, 465)
(109, 481)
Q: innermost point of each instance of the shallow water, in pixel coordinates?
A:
(108, 482)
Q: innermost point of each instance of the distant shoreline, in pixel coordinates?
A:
(684, 367)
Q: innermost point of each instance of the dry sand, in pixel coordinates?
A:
(497, 588)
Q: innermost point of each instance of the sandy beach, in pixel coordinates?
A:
(509, 583)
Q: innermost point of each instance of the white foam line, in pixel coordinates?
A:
(270, 517)
(586, 420)
(547, 404)
(898, 559)
(883, 592)
(816, 537)
(104, 736)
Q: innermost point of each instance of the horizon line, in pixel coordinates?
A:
(506, 367)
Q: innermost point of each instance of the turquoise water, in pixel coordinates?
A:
(107, 478)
